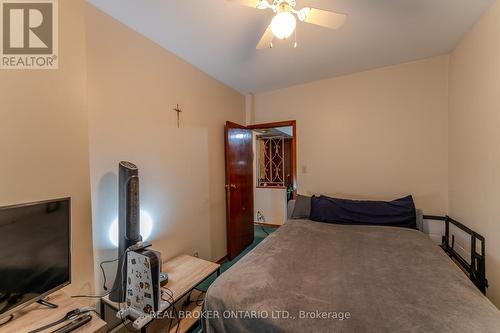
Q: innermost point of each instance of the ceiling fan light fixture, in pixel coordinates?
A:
(283, 25)
(303, 13)
(263, 4)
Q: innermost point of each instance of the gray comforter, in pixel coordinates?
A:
(315, 277)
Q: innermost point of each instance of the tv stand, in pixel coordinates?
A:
(47, 304)
(35, 316)
(184, 274)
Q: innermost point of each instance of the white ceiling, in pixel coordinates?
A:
(219, 37)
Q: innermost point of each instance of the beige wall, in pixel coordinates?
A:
(379, 134)
(44, 138)
(133, 86)
(474, 121)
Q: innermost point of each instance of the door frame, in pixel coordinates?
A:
(293, 124)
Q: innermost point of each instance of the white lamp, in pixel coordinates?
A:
(146, 225)
(283, 25)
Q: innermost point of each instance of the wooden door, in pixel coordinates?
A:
(239, 188)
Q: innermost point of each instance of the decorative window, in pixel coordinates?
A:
(271, 162)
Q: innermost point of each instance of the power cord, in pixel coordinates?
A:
(6, 320)
(200, 299)
(261, 218)
(73, 314)
(172, 309)
(104, 273)
(70, 314)
(104, 279)
(93, 296)
(123, 320)
(120, 286)
(263, 229)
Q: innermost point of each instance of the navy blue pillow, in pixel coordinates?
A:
(397, 213)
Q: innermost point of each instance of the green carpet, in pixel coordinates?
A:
(259, 236)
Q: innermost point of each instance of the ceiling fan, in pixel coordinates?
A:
(284, 22)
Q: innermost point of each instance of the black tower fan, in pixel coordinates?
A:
(128, 224)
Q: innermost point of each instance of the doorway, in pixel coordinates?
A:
(261, 176)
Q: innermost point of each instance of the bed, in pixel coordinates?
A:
(318, 277)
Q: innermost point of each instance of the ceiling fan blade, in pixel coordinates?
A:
(266, 40)
(248, 3)
(323, 18)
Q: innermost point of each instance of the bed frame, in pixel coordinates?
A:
(476, 269)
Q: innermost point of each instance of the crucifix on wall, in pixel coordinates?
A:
(178, 110)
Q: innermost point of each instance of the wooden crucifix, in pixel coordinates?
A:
(178, 110)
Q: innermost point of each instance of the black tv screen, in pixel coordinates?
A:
(35, 255)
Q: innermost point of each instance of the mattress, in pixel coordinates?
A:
(317, 277)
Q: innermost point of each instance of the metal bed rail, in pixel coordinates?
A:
(477, 266)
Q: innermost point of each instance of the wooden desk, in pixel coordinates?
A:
(184, 274)
(36, 315)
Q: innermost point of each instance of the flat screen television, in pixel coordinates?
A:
(35, 252)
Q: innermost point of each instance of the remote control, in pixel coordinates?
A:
(80, 321)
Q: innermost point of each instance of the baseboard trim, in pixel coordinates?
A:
(221, 260)
(268, 224)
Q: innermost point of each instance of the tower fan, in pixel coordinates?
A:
(128, 223)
